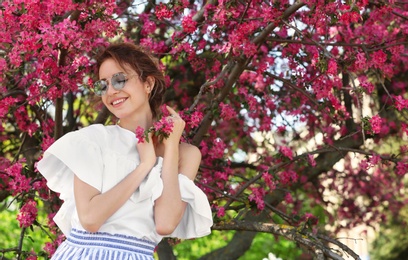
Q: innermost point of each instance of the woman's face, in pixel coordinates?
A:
(130, 101)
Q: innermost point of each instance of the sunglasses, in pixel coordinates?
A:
(117, 81)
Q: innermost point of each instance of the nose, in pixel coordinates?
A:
(111, 90)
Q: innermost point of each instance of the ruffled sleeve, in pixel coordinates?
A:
(197, 218)
(152, 186)
(72, 154)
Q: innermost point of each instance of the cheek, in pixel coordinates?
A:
(103, 98)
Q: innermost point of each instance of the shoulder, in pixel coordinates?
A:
(189, 160)
(189, 151)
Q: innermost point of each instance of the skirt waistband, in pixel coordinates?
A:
(111, 241)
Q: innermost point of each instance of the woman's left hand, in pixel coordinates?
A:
(178, 127)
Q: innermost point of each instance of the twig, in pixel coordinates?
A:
(20, 244)
(209, 83)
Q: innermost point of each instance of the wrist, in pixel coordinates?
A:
(171, 144)
(146, 166)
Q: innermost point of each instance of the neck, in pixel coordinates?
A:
(145, 121)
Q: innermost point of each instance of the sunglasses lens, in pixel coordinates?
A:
(118, 81)
(100, 87)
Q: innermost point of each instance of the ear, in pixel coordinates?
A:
(149, 84)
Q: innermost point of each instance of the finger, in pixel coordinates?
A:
(172, 111)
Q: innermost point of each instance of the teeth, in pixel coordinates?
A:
(118, 101)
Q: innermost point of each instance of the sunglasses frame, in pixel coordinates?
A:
(108, 82)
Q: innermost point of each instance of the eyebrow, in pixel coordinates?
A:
(113, 74)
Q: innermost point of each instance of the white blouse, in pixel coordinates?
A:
(102, 156)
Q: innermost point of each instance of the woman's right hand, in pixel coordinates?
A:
(147, 153)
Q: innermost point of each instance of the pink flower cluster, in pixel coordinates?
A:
(267, 177)
(27, 214)
(286, 151)
(161, 129)
(163, 12)
(400, 102)
(376, 122)
(257, 196)
(288, 177)
(227, 112)
(18, 182)
(50, 248)
(402, 168)
(188, 24)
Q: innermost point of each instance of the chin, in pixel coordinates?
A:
(117, 115)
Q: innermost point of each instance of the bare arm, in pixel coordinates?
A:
(94, 208)
(178, 158)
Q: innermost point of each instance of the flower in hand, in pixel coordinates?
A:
(161, 129)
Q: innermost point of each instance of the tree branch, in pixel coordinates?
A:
(307, 239)
(236, 71)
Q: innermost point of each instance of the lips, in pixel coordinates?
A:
(118, 101)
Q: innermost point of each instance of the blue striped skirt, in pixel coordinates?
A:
(103, 246)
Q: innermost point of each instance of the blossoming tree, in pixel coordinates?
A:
(295, 105)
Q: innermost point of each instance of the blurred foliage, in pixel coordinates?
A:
(10, 231)
(391, 242)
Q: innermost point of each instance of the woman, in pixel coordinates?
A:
(122, 196)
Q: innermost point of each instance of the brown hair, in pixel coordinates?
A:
(143, 63)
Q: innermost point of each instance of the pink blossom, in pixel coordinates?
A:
(267, 177)
(31, 257)
(196, 118)
(361, 61)
(154, 46)
(403, 149)
(332, 67)
(281, 129)
(257, 196)
(311, 160)
(220, 212)
(140, 134)
(41, 187)
(400, 102)
(163, 12)
(221, 175)
(18, 183)
(288, 198)
(218, 149)
(27, 214)
(50, 219)
(402, 168)
(163, 126)
(286, 151)
(378, 58)
(50, 248)
(148, 27)
(349, 17)
(47, 142)
(376, 122)
(204, 147)
(404, 128)
(310, 219)
(227, 112)
(288, 177)
(189, 26)
(364, 165)
(366, 84)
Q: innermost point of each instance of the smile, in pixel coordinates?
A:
(118, 101)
